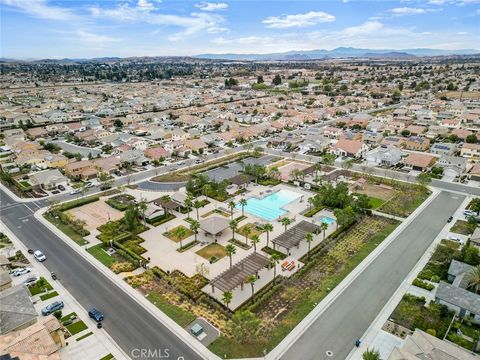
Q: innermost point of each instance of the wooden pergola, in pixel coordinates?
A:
(293, 236)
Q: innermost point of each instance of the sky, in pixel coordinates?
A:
(34, 29)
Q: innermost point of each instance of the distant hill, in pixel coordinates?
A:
(340, 52)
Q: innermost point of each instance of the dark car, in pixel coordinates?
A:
(96, 315)
(61, 187)
(50, 309)
(450, 219)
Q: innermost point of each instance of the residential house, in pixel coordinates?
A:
(419, 162)
(36, 133)
(48, 179)
(475, 172)
(135, 157)
(17, 310)
(388, 155)
(393, 140)
(452, 165)
(416, 143)
(156, 153)
(443, 149)
(349, 148)
(471, 151)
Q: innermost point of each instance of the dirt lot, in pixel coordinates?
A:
(376, 191)
(95, 214)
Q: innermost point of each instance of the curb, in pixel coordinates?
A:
(178, 331)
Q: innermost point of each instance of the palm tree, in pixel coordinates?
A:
(324, 227)
(180, 233)
(188, 204)
(473, 278)
(251, 280)
(142, 206)
(230, 250)
(285, 222)
(231, 206)
(268, 228)
(371, 354)
(194, 226)
(311, 201)
(233, 226)
(227, 297)
(255, 240)
(247, 231)
(317, 168)
(309, 239)
(243, 203)
(197, 205)
(275, 260)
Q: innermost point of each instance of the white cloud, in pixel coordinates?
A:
(299, 20)
(92, 38)
(40, 9)
(208, 6)
(145, 5)
(365, 28)
(407, 11)
(462, 33)
(437, 2)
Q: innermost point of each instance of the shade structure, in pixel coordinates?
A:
(293, 236)
(214, 225)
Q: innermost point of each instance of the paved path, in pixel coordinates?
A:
(350, 314)
(127, 322)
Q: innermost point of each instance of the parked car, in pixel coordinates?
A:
(75, 192)
(96, 315)
(21, 271)
(50, 309)
(454, 238)
(450, 219)
(31, 281)
(61, 187)
(39, 256)
(469, 213)
(89, 184)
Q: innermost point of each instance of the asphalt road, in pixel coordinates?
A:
(349, 315)
(128, 323)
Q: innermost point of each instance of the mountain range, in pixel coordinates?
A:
(340, 52)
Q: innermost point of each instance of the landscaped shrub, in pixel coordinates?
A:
(160, 219)
(189, 287)
(120, 267)
(78, 202)
(422, 284)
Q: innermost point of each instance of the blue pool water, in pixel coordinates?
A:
(270, 207)
(327, 220)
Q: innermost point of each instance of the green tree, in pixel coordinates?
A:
(424, 179)
(243, 203)
(471, 139)
(473, 279)
(230, 250)
(308, 239)
(244, 325)
(247, 231)
(277, 80)
(194, 226)
(131, 218)
(275, 260)
(233, 225)
(475, 205)
(255, 240)
(328, 159)
(197, 205)
(396, 95)
(285, 222)
(323, 227)
(188, 204)
(251, 280)
(231, 206)
(268, 228)
(179, 233)
(227, 297)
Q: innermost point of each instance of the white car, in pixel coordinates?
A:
(31, 281)
(454, 238)
(21, 271)
(39, 256)
(75, 192)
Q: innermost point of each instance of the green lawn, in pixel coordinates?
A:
(180, 316)
(76, 327)
(210, 250)
(376, 202)
(84, 336)
(48, 296)
(98, 253)
(67, 317)
(40, 287)
(66, 229)
(173, 236)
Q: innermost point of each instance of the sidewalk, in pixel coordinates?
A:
(118, 280)
(303, 326)
(95, 346)
(381, 340)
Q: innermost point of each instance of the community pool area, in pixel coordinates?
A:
(270, 207)
(327, 220)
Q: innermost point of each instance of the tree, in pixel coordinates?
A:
(227, 297)
(345, 217)
(328, 159)
(475, 205)
(268, 228)
(118, 123)
(424, 179)
(371, 354)
(197, 205)
(247, 231)
(471, 139)
(285, 222)
(277, 80)
(251, 280)
(244, 325)
(142, 206)
(405, 132)
(230, 250)
(243, 203)
(275, 260)
(180, 233)
(231, 206)
(131, 218)
(255, 240)
(347, 164)
(260, 79)
(194, 226)
(308, 239)
(324, 227)
(188, 204)
(233, 225)
(473, 279)
(396, 95)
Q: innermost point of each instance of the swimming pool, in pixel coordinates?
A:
(270, 207)
(327, 220)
